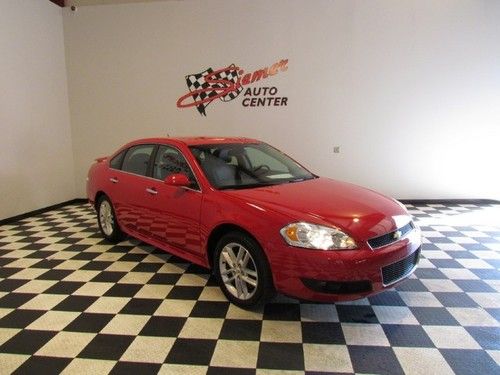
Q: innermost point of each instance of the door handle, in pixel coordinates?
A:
(152, 191)
(114, 180)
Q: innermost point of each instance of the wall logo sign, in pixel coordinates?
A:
(228, 83)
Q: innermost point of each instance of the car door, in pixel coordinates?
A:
(176, 210)
(128, 188)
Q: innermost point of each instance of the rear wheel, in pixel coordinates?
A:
(107, 221)
(242, 270)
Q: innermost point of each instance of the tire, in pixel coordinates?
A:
(106, 219)
(242, 270)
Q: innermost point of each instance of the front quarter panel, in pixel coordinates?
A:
(263, 224)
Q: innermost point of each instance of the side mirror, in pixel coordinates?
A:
(177, 179)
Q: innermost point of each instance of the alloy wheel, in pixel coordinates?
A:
(238, 271)
(106, 218)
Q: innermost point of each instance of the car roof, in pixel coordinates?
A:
(193, 141)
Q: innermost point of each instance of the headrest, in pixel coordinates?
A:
(225, 154)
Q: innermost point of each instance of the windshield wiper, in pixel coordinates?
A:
(300, 179)
(249, 186)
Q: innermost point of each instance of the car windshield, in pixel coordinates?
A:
(247, 165)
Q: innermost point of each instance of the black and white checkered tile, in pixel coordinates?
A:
(72, 303)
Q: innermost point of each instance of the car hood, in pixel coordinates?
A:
(360, 212)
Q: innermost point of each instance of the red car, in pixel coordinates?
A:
(257, 218)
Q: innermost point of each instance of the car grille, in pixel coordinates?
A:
(396, 271)
(391, 237)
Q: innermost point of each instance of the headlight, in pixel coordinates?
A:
(314, 236)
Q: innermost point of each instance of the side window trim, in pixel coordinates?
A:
(152, 158)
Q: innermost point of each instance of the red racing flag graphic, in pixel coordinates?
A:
(208, 85)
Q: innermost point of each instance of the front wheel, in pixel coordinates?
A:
(242, 270)
(107, 221)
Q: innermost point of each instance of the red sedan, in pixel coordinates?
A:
(261, 221)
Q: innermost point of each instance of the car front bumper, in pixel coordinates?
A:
(342, 275)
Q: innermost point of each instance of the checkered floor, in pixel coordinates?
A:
(72, 303)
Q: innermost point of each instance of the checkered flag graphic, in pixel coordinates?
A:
(197, 81)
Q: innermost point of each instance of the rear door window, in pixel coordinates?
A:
(137, 159)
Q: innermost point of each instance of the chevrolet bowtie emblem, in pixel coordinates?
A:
(397, 235)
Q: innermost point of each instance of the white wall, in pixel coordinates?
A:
(100, 2)
(36, 159)
(410, 90)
